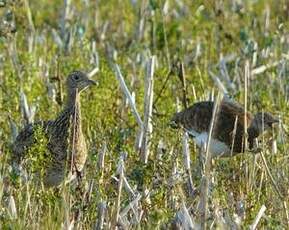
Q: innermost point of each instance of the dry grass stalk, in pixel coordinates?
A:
(182, 77)
(27, 111)
(148, 105)
(131, 102)
(93, 72)
(101, 156)
(187, 163)
(274, 183)
(245, 136)
(218, 82)
(120, 170)
(133, 205)
(263, 68)
(128, 187)
(128, 95)
(12, 207)
(29, 16)
(203, 206)
(102, 211)
(258, 217)
(234, 134)
(247, 77)
(72, 164)
(183, 220)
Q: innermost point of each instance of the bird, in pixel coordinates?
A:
(228, 133)
(66, 146)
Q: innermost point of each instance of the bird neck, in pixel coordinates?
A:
(253, 132)
(73, 99)
(70, 115)
(73, 107)
(254, 129)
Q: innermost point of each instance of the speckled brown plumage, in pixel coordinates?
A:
(66, 142)
(197, 120)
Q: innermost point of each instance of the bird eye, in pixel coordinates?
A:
(76, 77)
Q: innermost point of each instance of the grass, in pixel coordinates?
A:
(206, 36)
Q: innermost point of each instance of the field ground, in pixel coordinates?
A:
(235, 47)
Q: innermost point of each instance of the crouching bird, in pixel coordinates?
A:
(65, 146)
(228, 137)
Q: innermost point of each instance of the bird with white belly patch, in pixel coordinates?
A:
(228, 133)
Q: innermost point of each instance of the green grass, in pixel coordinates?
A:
(255, 31)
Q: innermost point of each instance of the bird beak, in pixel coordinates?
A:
(173, 124)
(275, 121)
(92, 82)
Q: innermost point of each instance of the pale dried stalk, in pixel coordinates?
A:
(225, 74)
(93, 72)
(183, 219)
(120, 185)
(234, 135)
(286, 212)
(31, 26)
(131, 206)
(27, 111)
(218, 82)
(274, 183)
(29, 16)
(14, 58)
(258, 217)
(267, 20)
(203, 208)
(247, 76)
(65, 17)
(102, 209)
(263, 68)
(128, 95)
(182, 77)
(13, 129)
(101, 156)
(187, 162)
(57, 39)
(12, 208)
(128, 187)
(148, 105)
(72, 163)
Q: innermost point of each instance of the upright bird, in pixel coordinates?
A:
(66, 145)
(228, 131)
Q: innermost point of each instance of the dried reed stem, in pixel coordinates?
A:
(148, 105)
(102, 209)
(182, 77)
(274, 183)
(128, 95)
(203, 208)
(120, 185)
(187, 162)
(258, 217)
(29, 16)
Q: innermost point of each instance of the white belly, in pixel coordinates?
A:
(216, 148)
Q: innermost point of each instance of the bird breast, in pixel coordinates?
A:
(216, 147)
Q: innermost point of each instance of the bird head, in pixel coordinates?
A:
(79, 81)
(264, 119)
(176, 120)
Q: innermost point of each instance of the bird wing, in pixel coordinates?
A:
(236, 110)
(230, 124)
(25, 139)
(196, 118)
